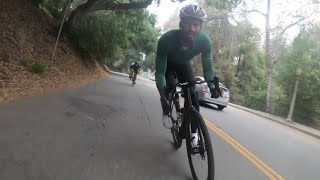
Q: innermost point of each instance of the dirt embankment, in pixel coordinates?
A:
(27, 37)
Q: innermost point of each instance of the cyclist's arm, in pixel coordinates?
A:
(161, 66)
(207, 62)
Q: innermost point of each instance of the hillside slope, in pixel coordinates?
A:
(27, 37)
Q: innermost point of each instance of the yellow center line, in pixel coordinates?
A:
(270, 173)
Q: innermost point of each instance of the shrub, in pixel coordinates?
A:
(38, 68)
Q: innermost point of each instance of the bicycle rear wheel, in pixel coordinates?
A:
(133, 80)
(177, 141)
(201, 158)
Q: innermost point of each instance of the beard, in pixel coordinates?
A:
(189, 36)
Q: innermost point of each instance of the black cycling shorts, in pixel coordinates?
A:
(179, 73)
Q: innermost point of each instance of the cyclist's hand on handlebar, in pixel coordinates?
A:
(216, 91)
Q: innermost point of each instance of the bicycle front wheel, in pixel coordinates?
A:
(201, 158)
(177, 141)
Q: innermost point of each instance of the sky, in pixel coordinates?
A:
(167, 8)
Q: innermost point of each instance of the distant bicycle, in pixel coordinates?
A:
(201, 158)
(134, 69)
(133, 78)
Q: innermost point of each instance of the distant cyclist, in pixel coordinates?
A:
(175, 51)
(134, 69)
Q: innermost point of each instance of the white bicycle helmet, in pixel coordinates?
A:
(193, 11)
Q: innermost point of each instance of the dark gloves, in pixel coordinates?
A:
(216, 91)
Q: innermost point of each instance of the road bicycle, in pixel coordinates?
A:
(133, 77)
(201, 158)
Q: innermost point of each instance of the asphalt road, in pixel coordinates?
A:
(111, 130)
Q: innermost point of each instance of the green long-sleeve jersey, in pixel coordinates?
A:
(169, 51)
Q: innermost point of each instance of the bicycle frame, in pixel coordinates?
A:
(186, 89)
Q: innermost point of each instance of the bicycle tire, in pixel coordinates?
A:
(177, 140)
(133, 80)
(207, 148)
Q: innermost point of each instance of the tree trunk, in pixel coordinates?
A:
(36, 2)
(269, 63)
(293, 100)
(77, 14)
(269, 105)
(238, 67)
(218, 46)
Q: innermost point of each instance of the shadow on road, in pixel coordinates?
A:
(127, 84)
(209, 106)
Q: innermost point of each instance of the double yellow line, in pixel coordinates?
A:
(270, 173)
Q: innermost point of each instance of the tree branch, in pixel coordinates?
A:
(233, 19)
(215, 18)
(96, 5)
(295, 23)
(255, 11)
(120, 6)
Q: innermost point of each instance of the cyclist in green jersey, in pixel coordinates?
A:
(175, 50)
